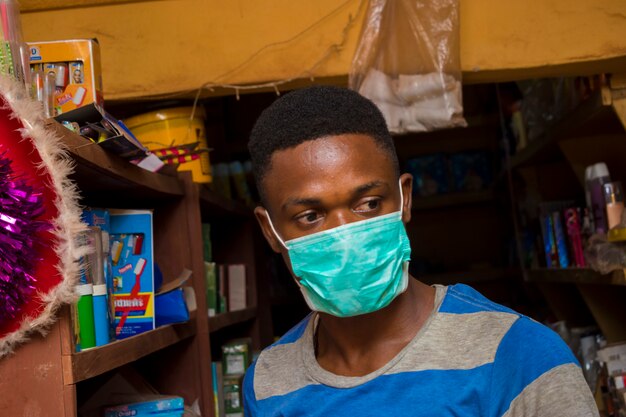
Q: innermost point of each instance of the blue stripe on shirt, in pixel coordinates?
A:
(462, 299)
(417, 394)
(526, 352)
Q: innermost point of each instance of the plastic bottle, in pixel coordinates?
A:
(84, 309)
(614, 198)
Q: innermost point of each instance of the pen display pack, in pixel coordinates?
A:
(133, 274)
(75, 67)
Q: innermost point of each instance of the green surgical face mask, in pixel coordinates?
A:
(353, 269)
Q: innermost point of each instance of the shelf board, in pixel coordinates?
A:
(231, 318)
(453, 200)
(591, 117)
(214, 205)
(102, 176)
(575, 276)
(96, 361)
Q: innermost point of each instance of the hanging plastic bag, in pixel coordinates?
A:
(407, 62)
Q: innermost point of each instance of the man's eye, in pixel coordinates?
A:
(368, 206)
(308, 218)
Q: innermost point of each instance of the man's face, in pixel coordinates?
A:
(328, 182)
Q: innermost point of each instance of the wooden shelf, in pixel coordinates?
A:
(214, 205)
(575, 276)
(108, 179)
(231, 318)
(453, 200)
(92, 362)
(592, 117)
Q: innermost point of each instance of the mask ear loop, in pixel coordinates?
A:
(401, 197)
(269, 219)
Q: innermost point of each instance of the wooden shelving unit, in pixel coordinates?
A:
(232, 318)
(214, 205)
(100, 173)
(593, 116)
(175, 359)
(592, 132)
(96, 361)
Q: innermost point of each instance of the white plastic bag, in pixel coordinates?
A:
(407, 62)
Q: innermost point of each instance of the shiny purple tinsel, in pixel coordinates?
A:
(20, 205)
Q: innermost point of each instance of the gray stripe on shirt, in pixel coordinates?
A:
(457, 341)
(556, 393)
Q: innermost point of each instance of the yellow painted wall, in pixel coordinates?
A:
(171, 46)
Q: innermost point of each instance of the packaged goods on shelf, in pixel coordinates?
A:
(236, 287)
(218, 388)
(133, 273)
(75, 66)
(233, 398)
(100, 218)
(471, 171)
(430, 174)
(94, 123)
(562, 226)
(174, 301)
(236, 357)
(160, 406)
(419, 90)
(178, 136)
(210, 271)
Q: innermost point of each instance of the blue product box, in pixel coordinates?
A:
(170, 304)
(161, 407)
(430, 175)
(170, 307)
(471, 171)
(131, 253)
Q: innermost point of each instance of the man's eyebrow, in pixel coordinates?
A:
(309, 201)
(362, 189)
(302, 201)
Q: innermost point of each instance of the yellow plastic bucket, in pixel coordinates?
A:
(170, 128)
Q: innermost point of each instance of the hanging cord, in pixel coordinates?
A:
(308, 73)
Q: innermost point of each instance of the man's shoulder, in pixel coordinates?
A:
(277, 368)
(463, 299)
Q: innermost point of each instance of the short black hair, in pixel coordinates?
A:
(312, 113)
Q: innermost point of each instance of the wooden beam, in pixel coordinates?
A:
(159, 48)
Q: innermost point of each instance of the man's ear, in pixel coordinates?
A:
(262, 217)
(406, 183)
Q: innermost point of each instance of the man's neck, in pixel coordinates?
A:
(356, 346)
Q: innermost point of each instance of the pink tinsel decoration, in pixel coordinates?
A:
(20, 206)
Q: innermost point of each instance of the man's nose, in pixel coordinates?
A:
(341, 217)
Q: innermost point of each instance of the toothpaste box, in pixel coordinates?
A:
(131, 253)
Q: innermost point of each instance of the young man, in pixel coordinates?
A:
(379, 342)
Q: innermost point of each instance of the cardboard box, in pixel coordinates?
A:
(614, 356)
(133, 274)
(75, 65)
(236, 287)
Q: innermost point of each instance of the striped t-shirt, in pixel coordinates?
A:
(472, 357)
